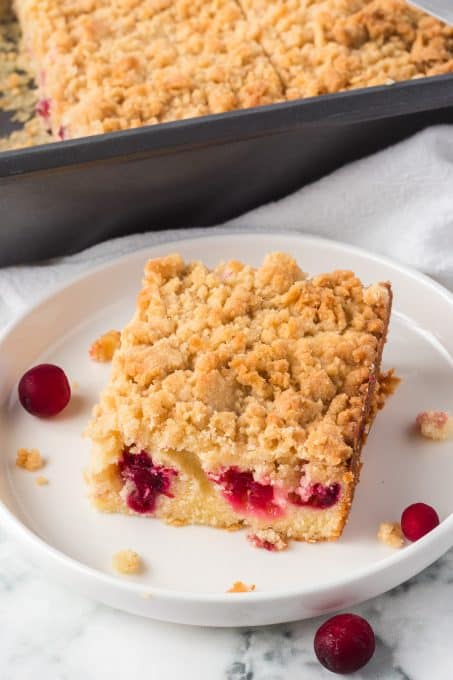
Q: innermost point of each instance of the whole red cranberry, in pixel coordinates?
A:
(417, 520)
(344, 643)
(44, 390)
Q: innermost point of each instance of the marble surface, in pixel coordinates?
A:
(49, 632)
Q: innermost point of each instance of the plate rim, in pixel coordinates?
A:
(11, 523)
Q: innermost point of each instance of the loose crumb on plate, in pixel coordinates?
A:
(41, 480)
(29, 459)
(146, 594)
(240, 587)
(269, 539)
(127, 562)
(437, 425)
(390, 533)
(104, 348)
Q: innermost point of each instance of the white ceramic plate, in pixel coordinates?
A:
(190, 568)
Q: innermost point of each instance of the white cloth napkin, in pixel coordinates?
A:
(398, 202)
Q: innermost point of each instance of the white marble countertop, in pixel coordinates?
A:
(48, 632)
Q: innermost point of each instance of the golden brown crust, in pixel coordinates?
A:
(374, 399)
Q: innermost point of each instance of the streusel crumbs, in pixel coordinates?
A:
(127, 562)
(390, 533)
(29, 459)
(436, 425)
(269, 539)
(240, 587)
(104, 348)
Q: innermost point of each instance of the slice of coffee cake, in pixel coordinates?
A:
(241, 397)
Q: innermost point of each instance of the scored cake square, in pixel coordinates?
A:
(327, 46)
(241, 397)
(103, 66)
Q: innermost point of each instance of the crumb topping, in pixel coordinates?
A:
(390, 533)
(29, 459)
(240, 587)
(102, 66)
(106, 67)
(104, 348)
(127, 562)
(17, 94)
(327, 46)
(41, 480)
(263, 365)
(437, 425)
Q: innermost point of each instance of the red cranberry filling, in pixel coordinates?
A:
(245, 494)
(317, 496)
(148, 480)
(43, 109)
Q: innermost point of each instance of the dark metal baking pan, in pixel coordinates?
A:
(62, 197)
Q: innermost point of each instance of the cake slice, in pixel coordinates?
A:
(241, 397)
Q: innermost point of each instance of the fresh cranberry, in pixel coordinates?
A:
(44, 390)
(317, 496)
(245, 494)
(344, 643)
(417, 520)
(148, 480)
